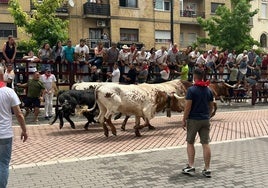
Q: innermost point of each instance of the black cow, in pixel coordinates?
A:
(69, 100)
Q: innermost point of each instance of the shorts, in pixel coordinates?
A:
(32, 102)
(202, 127)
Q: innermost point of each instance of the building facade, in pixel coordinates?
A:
(146, 22)
(259, 30)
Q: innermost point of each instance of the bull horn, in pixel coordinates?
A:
(177, 96)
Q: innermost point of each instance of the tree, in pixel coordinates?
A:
(41, 24)
(229, 28)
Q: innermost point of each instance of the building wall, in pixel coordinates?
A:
(260, 23)
(144, 18)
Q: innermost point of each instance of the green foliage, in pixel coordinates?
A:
(27, 45)
(42, 24)
(229, 28)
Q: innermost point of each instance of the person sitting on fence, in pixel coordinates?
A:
(254, 77)
(32, 64)
(9, 50)
(164, 73)
(99, 53)
(130, 78)
(81, 57)
(45, 56)
(115, 75)
(220, 65)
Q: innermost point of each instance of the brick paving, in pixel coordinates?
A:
(48, 143)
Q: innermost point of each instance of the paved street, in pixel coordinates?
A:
(78, 158)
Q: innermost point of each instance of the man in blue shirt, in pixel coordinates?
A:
(198, 108)
(68, 55)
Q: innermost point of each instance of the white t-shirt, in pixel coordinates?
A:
(10, 76)
(8, 99)
(47, 81)
(116, 75)
(164, 74)
(160, 56)
(81, 51)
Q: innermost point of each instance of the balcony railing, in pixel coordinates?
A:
(192, 14)
(64, 9)
(96, 9)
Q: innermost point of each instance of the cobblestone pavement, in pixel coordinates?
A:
(78, 158)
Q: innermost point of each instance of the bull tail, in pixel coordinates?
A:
(56, 108)
(96, 98)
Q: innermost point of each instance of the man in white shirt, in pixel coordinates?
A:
(49, 81)
(81, 57)
(9, 100)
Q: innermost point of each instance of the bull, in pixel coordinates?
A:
(129, 100)
(69, 100)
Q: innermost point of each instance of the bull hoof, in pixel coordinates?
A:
(86, 128)
(73, 127)
(123, 128)
(150, 127)
(106, 134)
(137, 133)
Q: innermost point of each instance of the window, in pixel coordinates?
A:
(263, 10)
(95, 33)
(214, 7)
(7, 29)
(263, 41)
(162, 5)
(4, 1)
(128, 3)
(162, 36)
(192, 38)
(129, 35)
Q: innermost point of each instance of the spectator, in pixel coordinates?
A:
(173, 59)
(210, 63)
(193, 55)
(9, 50)
(9, 76)
(141, 56)
(133, 52)
(164, 73)
(68, 56)
(143, 73)
(35, 92)
(94, 75)
(98, 55)
(242, 69)
(220, 63)
(130, 78)
(151, 58)
(32, 64)
(49, 82)
(123, 61)
(184, 71)
(46, 57)
(112, 56)
(58, 58)
(9, 100)
(197, 111)
(115, 75)
(81, 57)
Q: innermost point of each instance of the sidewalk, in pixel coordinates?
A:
(241, 163)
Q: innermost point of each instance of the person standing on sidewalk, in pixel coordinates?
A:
(9, 100)
(198, 108)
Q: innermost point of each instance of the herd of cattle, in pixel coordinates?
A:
(106, 100)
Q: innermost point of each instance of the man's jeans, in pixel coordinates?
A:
(5, 156)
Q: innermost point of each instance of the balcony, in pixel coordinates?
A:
(96, 10)
(189, 17)
(62, 11)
